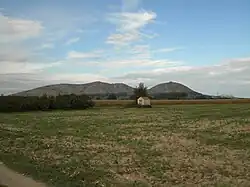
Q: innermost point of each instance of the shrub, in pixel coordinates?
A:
(19, 103)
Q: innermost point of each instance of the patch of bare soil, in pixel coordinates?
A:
(10, 178)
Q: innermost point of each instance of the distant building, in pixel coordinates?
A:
(143, 101)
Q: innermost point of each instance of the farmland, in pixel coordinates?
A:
(167, 145)
(173, 102)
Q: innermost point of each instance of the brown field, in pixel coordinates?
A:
(167, 145)
(172, 102)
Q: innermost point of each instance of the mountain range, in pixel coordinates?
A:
(103, 88)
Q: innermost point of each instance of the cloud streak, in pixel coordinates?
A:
(167, 50)
(15, 29)
(47, 46)
(231, 77)
(72, 40)
(225, 80)
(129, 26)
(84, 55)
(25, 67)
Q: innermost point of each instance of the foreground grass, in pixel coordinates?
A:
(162, 146)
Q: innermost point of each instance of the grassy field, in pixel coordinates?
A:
(174, 145)
(173, 102)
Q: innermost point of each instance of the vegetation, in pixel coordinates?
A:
(112, 97)
(171, 95)
(140, 91)
(178, 145)
(123, 103)
(158, 96)
(19, 103)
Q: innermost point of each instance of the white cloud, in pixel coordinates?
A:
(17, 56)
(16, 82)
(141, 51)
(72, 40)
(78, 78)
(230, 77)
(149, 36)
(15, 29)
(87, 31)
(130, 57)
(138, 63)
(122, 39)
(82, 55)
(25, 67)
(131, 22)
(224, 81)
(22, 69)
(47, 46)
(129, 26)
(13, 52)
(167, 50)
(60, 24)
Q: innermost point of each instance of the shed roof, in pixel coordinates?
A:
(144, 98)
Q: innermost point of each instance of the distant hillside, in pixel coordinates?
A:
(101, 88)
(169, 87)
(78, 89)
(173, 87)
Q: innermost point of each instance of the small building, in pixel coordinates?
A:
(143, 101)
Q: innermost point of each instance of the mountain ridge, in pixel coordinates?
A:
(104, 88)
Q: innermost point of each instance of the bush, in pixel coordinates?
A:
(19, 103)
(112, 97)
(145, 106)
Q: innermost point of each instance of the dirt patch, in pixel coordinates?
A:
(12, 128)
(190, 161)
(10, 178)
(245, 129)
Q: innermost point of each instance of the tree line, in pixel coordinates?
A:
(33, 103)
(142, 91)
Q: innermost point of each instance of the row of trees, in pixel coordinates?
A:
(142, 91)
(171, 95)
(158, 96)
(19, 103)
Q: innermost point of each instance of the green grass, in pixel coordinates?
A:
(160, 146)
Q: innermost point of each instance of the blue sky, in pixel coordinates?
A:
(203, 44)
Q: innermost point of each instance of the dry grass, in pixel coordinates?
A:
(184, 145)
(173, 102)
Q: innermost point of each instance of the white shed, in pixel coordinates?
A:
(143, 101)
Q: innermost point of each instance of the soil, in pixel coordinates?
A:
(10, 178)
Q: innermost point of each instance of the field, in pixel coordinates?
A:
(171, 145)
(173, 102)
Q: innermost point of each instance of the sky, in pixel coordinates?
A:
(203, 44)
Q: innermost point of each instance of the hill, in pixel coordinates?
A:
(174, 87)
(103, 89)
(93, 88)
(169, 87)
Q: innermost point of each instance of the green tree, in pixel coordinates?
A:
(140, 91)
(32, 103)
(112, 96)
